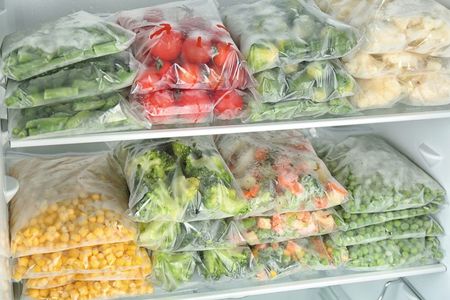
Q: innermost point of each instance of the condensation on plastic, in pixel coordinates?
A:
(377, 176)
(85, 205)
(216, 64)
(95, 289)
(84, 79)
(53, 282)
(277, 33)
(273, 176)
(60, 43)
(114, 257)
(195, 187)
(103, 113)
(389, 254)
(319, 81)
(366, 66)
(192, 236)
(283, 227)
(354, 12)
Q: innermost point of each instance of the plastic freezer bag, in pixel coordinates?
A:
(192, 236)
(234, 263)
(94, 259)
(95, 114)
(6, 289)
(85, 205)
(88, 78)
(276, 33)
(278, 228)
(171, 270)
(382, 92)
(179, 180)
(91, 290)
(184, 45)
(354, 12)
(377, 176)
(275, 177)
(60, 43)
(427, 89)
(318, 81)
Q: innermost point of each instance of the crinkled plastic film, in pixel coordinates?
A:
(103, 113)
(234, 263)
(378, 177)
(84, 79)
(85, 205)
(354, 12)
(427, 89)
(192, 236)
(276, 33)
(67, 40)
(380, 92)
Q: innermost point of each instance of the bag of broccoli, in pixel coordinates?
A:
(60, 43)
(231, 263)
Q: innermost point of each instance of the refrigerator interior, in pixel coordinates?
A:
(425, 142)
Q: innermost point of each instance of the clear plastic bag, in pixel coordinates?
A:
(84, 79)
(95, 259)
(5, 268)
(60, 43)
(382, 92)
(179, 180)
(232, 263)
(92, 289)
(318, 81)
(192, 236)
(184, 45)
(354, 12)
(377, 176)
(275, 177)
(277, 33)
(85, 205)
(427, 89)
(87, 115)
(6, 289)
(283, 227)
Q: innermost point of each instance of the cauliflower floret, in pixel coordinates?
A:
(404, 61)
(427, 89)
(384, 37)
(429, 36)
(434, 65)
(364, 65)
(378, 92)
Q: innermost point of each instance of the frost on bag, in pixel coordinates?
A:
(85, 260)
(389, 254)
(276, 260)
(378, 177)
(416, 227)
(60, 43)
(172, 270)
(277, 33)
(277, 177)
(192, 236)
(87, 115)
(95, 289)
(282, 227)
(85, 205)
(234, 263)
(184, 45)
(319, 81)
(179, 180)
(84, 79)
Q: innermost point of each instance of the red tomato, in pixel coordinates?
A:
(196, 104)
(215, 79)
(148, 80)
(197, 50)
(163, 67)
(228, 104)
(168, 43)
(159, 106)
(223, 51)
(188, 74)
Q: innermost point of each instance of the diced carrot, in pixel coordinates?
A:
(321, 202)
(261, 154)
(252, 192)
(333, 186)
(264, 223)
(304, 216)
(291, 247)
(276, 220)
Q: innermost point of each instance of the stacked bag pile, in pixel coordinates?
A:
(292, 49)
(5, 277)
(192, 70)
(389, 215)
(67, 77)
(405, 56)
(70, 237)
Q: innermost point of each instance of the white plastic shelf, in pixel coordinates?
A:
(239, 289)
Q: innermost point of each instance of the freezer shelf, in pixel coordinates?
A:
(399, 113)
(240, 288)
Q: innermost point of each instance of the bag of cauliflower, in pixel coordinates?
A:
(427, 89)
(380, 92)
(354, 12)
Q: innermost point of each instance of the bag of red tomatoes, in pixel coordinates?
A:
(184, 45)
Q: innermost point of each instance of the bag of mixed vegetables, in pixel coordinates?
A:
(179, 180)
(84, 79)
(192, 236)
(85, 205)
(377, 176)
(102, 113)
(275, 177)
(231, 263)
(60, 43)
(276, 33)
(184, 45)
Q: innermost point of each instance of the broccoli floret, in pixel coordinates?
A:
(172, 269)
(205, 167)
(345, 84)
(220, 198)
(184, 189)
(180, 149)
(154, 164)
(227, 262)
(158, 235)
(262, 56)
